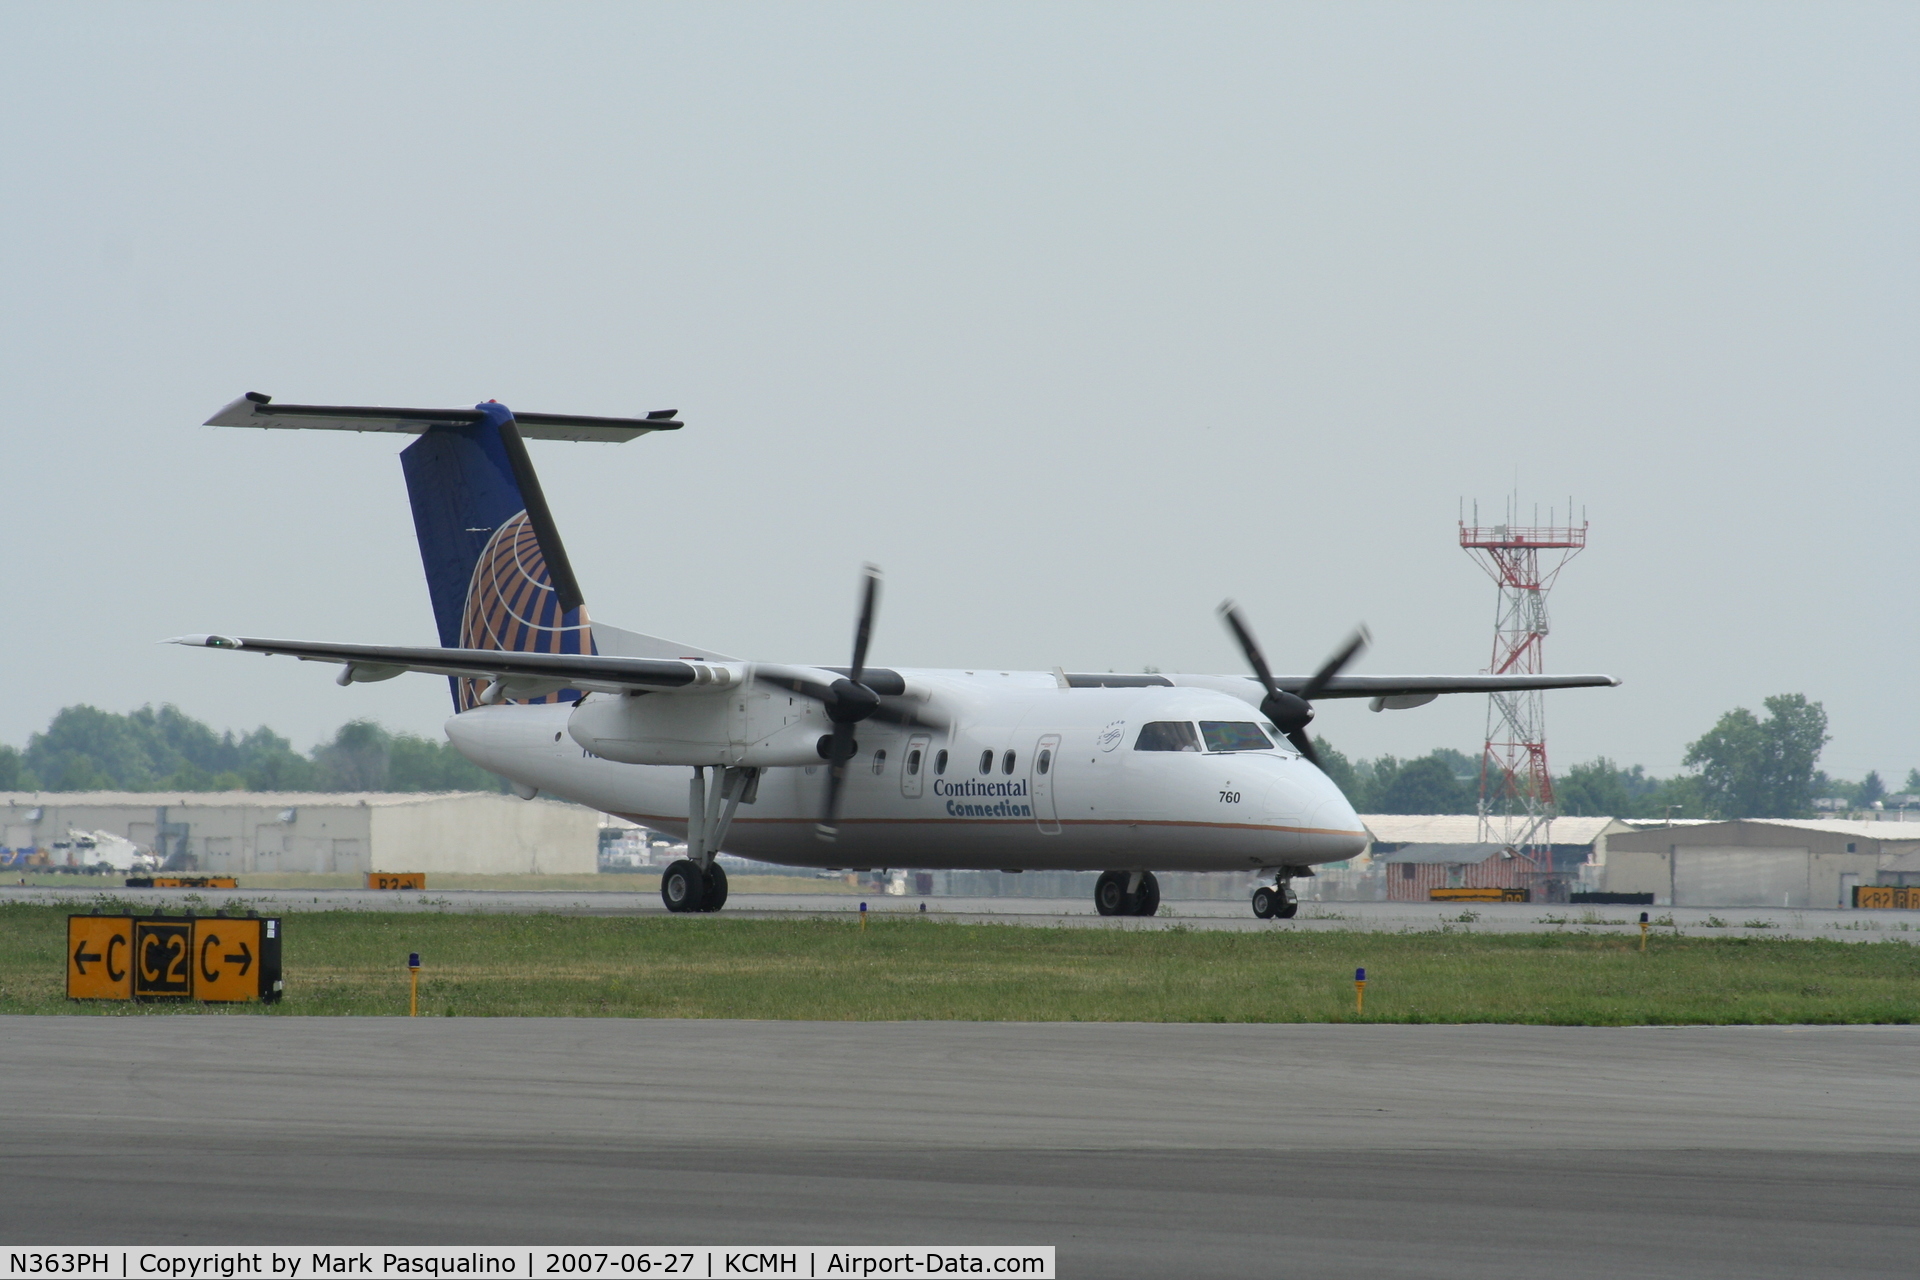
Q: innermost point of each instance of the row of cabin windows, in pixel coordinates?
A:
(1007, 761)
(1160, 735)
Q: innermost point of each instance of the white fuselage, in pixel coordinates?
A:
(973, 795)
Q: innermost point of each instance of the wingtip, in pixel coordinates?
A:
(204, 642)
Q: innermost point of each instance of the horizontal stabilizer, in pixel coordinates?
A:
(256, 410)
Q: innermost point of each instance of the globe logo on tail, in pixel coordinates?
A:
(512, 606)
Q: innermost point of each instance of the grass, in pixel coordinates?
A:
(340, 963)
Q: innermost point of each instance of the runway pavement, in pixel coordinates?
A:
(1217, 913)
(1138, 1150)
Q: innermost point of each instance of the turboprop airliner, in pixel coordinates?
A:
(856, 767)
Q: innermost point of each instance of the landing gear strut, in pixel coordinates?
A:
(1278, 900)
(697, 882)
(1126, 893)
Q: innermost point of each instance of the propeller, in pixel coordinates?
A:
(848, 702)
(1291, 712)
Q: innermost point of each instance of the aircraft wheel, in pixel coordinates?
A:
(1264, 902)
(1288, 905)
(1110, 893)
(716, 888)
(682, 887)
(1146, 899)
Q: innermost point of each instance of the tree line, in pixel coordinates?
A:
(1746, 766)
(87, 749)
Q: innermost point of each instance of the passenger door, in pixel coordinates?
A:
(914, 765)
(1046, 757)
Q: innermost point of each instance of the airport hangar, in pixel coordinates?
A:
(235, 832)
(1762, 862)
(1746, 862)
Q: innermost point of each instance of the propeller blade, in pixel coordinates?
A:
(839, 751)
(1291, 712)
(869, 598)
(1230, 614)
(1304, 745)
(1356, 642)
(848, 703)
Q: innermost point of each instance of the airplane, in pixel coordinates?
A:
(856, 767)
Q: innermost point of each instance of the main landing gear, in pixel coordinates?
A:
(685, 887)
(697, 882)
(1278, 900)
(1126, 893)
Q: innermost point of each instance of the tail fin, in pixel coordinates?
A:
(496, 570)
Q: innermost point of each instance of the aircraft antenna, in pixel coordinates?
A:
(1516, 785)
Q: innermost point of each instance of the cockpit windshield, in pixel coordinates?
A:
(1167, 735)
(1234, 735)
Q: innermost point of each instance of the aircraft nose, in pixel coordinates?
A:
(1333, 816)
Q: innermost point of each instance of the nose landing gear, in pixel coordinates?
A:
(1126, 893)
(1276, 901)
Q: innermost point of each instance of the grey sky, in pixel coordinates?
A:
(1075, 319)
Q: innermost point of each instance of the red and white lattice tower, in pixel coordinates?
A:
(1516, 786)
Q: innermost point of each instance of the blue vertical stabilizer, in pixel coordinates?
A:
(487, 544)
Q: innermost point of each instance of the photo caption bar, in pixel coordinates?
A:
(700, 1262)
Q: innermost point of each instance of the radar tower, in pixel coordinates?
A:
(1516, 785)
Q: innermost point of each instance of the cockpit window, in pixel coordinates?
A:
(1167, 735)
(1234, 735)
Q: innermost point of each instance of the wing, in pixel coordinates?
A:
(1420, 686)
(529, 675)
(256, 410)
(1387, 692)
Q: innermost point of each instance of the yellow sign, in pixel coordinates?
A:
(220, 958)
(396, 879)
(99, 958)
(1477, 895)
(1887, 896)
(162, 958)
(229, 958)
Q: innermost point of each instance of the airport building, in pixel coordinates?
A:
(1755, 862)
(232, 832)
(1413, 871)
(1762, 862)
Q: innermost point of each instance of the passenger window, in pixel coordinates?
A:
(986, 762)
(1234, 735)
(913, 762)
(1044, 762)
(1167, 735)
(940, 760)
(880, 760)
(1006, 763)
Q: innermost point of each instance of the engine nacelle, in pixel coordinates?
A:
(724, 727)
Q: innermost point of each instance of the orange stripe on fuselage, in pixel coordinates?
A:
(644, 818)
